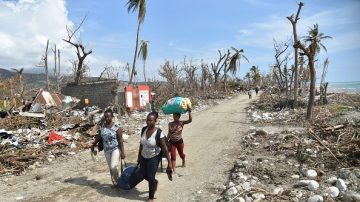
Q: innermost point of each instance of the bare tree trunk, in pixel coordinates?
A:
(46, 66)
(55, 65)
(296, 51)
(135, 54)
(312, 88)
(58, 75)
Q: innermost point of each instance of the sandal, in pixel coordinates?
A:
(169, 173)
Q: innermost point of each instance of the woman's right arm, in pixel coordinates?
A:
(97, 138)
(190, 118)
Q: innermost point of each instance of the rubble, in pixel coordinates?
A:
(29, 139)
(320, 162)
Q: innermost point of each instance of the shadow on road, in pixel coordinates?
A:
(108, 189)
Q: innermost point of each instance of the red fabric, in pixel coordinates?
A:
(180, 149)
(54, 137)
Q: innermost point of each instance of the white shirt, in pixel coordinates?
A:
(150, 149)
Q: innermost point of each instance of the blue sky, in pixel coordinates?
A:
(196, 29)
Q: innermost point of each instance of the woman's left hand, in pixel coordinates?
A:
(122, 156)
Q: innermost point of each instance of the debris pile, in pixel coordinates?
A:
(297, 166)
(28, 142)
(318, 162)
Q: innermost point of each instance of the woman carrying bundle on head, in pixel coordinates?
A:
(175, 138)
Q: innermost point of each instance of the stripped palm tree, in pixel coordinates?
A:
(235, 60)
(143, 53)
(234, 63)
(134, 5)
(314, 38)
(248, 77)
(255, 74)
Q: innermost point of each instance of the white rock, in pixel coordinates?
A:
(231, 191)
(37, 164)
(253, 182)
(311, 173)
(246, 186)
(239, 187)
(239, 199)
(313, 185)
(295, 176)
(331, 180)
(248, 199)
(242, 178)
(19, 198)
(340, 183)
(231, 184)
(32, 167)
(258, 196)
(315, 198)
(332, 191)
(277, 190)
(72, 145)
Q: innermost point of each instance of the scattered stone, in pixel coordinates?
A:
(239, 199)
(231, 191)
(32, 167)
(248, 199)
(246, 186)
(277, 190)
(258, 196)
(332, 191)
(313, 185)
(231, 184)
(340, 183)
(311, 173)
(19, 198)
(331, 180)
(316, 198)
(295, 176)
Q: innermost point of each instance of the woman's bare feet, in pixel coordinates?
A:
(150, 200)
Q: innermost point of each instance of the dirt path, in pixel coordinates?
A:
(210, 143)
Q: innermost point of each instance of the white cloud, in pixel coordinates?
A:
(25, 26)
(338, 21)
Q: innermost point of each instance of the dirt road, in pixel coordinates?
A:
(210, 145)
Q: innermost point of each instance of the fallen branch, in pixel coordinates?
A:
(318, 139)
(334, 127)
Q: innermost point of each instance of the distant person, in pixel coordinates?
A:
(175, 138)
(151, 151)
(250, 94)
(256, 89)
(113, 143)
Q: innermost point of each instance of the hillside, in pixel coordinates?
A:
(32, 80)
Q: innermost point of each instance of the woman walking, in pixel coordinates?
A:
(152, 147)
(176, 140)
(113, 143)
